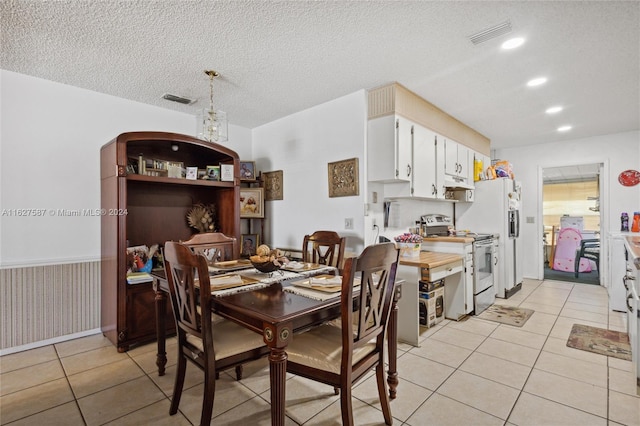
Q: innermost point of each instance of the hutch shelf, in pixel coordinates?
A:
(151, 208)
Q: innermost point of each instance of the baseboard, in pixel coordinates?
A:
(47, 342)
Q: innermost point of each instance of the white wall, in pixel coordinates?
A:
(618, 152)
(302, 145)
(50, 143)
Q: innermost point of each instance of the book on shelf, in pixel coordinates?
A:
(138, 277)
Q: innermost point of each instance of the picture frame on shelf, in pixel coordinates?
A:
(192, 173)
(252, 203)
(247, 170)
(213, 172)
(226, 172)
(343, 178)
(250, 243)
(273, 185)
(175, 169)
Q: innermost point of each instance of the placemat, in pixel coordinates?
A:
(509, 315)
(600, 341)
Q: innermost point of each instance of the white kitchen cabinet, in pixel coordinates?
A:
(389, 149)
(456, 159)
(428, 164)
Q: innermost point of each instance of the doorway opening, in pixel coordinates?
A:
(571, 217)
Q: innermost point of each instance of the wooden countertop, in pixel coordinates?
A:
(431, 259)
(464, 240)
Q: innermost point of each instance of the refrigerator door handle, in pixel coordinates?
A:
(514, 223)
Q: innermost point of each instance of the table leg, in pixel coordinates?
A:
(392, 342)
(278, 376)
(161, 328)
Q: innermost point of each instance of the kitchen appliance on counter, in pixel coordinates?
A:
(496, 210)
(435, 224)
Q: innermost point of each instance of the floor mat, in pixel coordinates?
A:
(601, 341)
(507, 315)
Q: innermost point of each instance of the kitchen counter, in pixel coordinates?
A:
(452, 239)
(430, 259)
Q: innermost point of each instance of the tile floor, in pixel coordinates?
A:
(472, 372)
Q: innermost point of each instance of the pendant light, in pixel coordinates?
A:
(212, 124)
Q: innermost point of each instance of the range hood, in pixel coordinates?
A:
(452, 182)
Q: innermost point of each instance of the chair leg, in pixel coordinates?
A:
(577, 264)
(239, 372)
(179, 383)
(336, 390)
(383, 394)
(209, 393)
(345, 405)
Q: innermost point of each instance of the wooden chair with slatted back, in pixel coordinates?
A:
(215, 246)
(340, 356)
(212, 347)
(325, 248)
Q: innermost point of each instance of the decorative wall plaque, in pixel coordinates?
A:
(343, 178)
(273, 182)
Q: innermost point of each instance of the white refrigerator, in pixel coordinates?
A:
(496, 210)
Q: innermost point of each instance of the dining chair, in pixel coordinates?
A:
(340, 356)
(211, 346)
(325, 248)
(215, 246)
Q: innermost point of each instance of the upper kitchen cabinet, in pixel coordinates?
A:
(389, 149)
(397, 155)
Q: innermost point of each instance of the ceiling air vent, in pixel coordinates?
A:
(489, 33)
(178, 99)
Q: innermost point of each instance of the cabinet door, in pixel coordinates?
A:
(465, 157)
(450, 157)
(440, 166)
(424, 163)
(389, 149)
(404, 148)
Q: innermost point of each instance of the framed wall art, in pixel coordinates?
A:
(247, 170)
(251, 202)
(273, 185)
(343, 178)
(250, 243)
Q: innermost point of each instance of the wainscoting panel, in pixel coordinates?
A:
(44, 302)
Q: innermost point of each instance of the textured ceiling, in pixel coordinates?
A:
(276, 58)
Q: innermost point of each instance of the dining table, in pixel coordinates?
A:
(278, 309)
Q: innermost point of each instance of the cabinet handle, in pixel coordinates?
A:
(408, 170)
(495, 263)
(629, 307)
(624, 282)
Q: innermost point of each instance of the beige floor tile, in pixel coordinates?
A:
(584, 371)
(422, 372)
(480, 393)
(621, 364)
(255, 375)
(512, 334)
(34, 400)
(496, 369)
(550, 293)
(363, 414)
(91, 359)
(27, 377)
(587, 308)
(563, 325)
(118, 401)
(557, 284)
(623, 381)
(83, 344)
(409, 397)
(624, 408)
(563, 390)
(583, 315)
(442, 411)
(509, 351)
(618, 319)
(425, 332)
(62, 415)
(588, 299)
(155, 414)
(539, 323)
(103, 377)
(541, 307)
(531, 410)
(27, 358)
(441, 352)
(475, 326)
(193, 377)
(147, 360)
(458, 338)
(559, 346)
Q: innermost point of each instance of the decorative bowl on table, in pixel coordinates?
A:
(267, 260)
(266, 267)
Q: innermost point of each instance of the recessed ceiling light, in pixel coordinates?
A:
(564, 128)
(537, 81)
(513, 43)
(553, 110)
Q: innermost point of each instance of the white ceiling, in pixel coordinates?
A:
(276, 58)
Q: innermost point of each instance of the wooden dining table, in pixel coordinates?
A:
(278, 315)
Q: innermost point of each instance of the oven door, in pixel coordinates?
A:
(482, 265)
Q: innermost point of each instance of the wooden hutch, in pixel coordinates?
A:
(140, 209)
